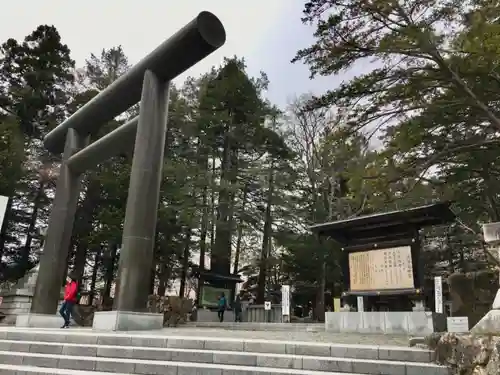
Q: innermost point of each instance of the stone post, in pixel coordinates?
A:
(142, 203)
(58, 237)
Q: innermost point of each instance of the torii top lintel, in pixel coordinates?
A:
(195, 41)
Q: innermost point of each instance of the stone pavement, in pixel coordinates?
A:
(293, 335)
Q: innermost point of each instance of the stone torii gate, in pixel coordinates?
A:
(148, 82)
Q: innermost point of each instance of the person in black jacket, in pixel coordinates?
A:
(221, 307)
(237, 308)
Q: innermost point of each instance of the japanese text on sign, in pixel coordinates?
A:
(381, 269)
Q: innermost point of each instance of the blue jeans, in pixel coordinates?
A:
(66, 311)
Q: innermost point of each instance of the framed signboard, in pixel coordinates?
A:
(382, 269)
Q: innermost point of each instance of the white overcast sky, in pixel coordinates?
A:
(266, 33)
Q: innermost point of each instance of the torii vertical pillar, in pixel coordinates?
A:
(136, 255)
(57, 241)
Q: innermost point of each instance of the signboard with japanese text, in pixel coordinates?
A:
(438, 294)
(384, 269)
(457, 324)
(285, 300)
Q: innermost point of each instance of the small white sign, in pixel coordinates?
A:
(458, 324)
(438, 294)
(361, 304)
(4, 202)
(285, 300)
(267, 305)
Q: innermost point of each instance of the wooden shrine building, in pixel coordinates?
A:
(381, 255)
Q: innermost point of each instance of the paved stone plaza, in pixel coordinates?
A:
(293, 335)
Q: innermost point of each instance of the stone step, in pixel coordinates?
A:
(161, 340)
(25, 370)
(254, 326)
(299, 362)
(52, 364)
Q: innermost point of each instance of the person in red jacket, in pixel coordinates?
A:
(70, 299)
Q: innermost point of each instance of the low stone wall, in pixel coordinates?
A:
(466, 354)
(250, 314)
(16, 304)
(210, 316)
(258, 314)
(175, 309)
(17, 298)
(404, 322)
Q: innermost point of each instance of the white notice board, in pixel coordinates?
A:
(361, 304)
(4, 202)
(457, 324)
(438, 294)
(285, 300)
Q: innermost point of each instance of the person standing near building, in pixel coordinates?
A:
(70, 299)
(237, 308)
(221, 308)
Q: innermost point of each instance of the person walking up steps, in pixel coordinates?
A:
(70, 299)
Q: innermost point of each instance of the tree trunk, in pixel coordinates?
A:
(204, 229)
(66, 264)
(164, 265)
(110, 270)
(185, 263)
(80, 261)
(320, 298)
(202, 155)
(463, 265)
(93, 281)
(328, 198)
(240, 229)
(3, 232)
(213, 217)
(152, 279)
(154, 266)
(85, 215)
(266, 241)
(221, 254)
(26, 252)
(449, 249)
(164, 276)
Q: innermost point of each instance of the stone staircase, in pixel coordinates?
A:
(81, 351)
